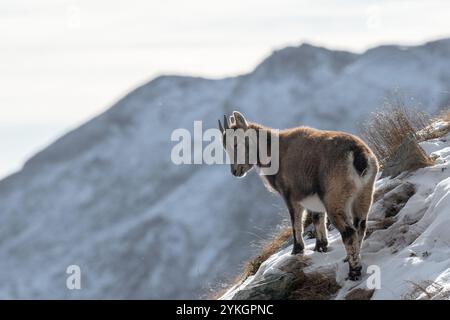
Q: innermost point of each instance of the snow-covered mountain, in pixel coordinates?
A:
(108, 198)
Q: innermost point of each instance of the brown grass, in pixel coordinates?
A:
(270, 248)
(388, 128)
(315, 286)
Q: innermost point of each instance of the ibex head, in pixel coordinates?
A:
(237, 145)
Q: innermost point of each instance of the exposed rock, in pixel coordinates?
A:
(390, 203)
(379, 225)
(271, 287)
(360, 294)
(395, 200)
(390, 185)
(272, 280)
(284, 277)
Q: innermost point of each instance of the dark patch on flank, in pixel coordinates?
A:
(360, 160)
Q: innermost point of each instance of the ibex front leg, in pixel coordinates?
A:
(296, 212)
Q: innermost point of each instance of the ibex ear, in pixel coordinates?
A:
(240, 120)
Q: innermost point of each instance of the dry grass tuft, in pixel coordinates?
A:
(270, 248)
(388, 128)
(316, 286)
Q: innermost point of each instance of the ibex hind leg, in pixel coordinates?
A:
(361, 208)
(320, 226)
(339, 206)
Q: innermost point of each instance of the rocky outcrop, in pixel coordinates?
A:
(284, 276)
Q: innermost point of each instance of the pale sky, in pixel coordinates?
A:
(64, 61)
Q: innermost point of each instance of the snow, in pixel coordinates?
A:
(414, 251)
(107, 197)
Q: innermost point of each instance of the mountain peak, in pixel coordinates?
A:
(303, 59)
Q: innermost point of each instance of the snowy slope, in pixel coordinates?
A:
(107, 197)
(412, 254)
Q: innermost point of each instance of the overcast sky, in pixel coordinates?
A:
(64, 61)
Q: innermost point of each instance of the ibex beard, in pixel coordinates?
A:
(328, 173)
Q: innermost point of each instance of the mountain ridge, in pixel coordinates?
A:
(305, 47)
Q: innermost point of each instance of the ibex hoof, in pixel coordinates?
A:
(321, 246)
(355, 273)
(297, 249)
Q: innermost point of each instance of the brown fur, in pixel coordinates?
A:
(337, 167)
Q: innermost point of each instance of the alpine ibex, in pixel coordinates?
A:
(328, 172)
